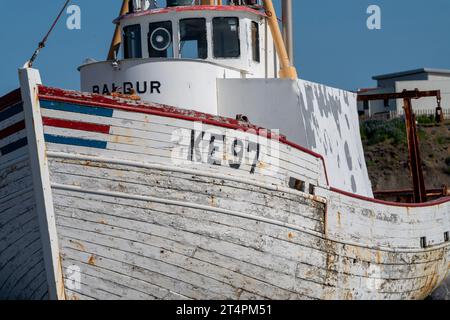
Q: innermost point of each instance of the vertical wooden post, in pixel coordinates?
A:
(29, 81)
(420, 193)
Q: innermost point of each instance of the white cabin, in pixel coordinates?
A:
(175, 55)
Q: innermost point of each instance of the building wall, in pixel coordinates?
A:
(425, 104)
(389, 83)
(376, 106)
(421, 81)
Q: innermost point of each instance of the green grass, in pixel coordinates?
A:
(377, 131)
(443, 140)
(426, 119)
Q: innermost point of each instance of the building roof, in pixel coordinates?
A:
(412, 72)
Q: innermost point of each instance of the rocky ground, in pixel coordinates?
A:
(387, 157)
(387, 160)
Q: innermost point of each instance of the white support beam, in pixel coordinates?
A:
(29, 81)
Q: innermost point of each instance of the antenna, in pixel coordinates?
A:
(42, 43)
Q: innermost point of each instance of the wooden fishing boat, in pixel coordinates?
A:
(161, 187)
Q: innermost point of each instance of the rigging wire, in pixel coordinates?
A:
(44, 40)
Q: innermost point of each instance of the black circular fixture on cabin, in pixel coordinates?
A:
(160, 39)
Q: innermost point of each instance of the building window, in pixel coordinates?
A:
(132, 42)
(386, 103)
(255, 42)
(193, 40)
(160, 44)
(226, 38)
(366, 105)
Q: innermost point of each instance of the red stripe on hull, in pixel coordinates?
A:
(75, 125)
(19, 126)
(394, 204)
(9, 99)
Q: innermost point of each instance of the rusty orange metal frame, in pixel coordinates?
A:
(419, 190)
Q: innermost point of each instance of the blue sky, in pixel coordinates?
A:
(333, 44)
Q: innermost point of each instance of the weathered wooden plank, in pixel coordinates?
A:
(13, 157)
(137, 272)
(11, 121)
(74, 295)
(127, 281)
(12, 178)
(296, 237)
(161, 178)
(17, 276)
(13, 138)
(221, 196)
(30, 282)
(41, 292)
(9, 210)
(95, 235)
(16, 186)
(17, 227)
(302, 280)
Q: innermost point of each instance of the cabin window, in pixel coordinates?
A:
(226, 38)
(255, 42)
(132, 42)
(193, 40)
(160, 44)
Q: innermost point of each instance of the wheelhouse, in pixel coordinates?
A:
(178, 55)
(234, 36)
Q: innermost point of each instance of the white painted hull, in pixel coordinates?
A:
(121, 216)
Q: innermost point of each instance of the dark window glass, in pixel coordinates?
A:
(160, 44)
(226, 38)
(193, 40)
(366, 105)
(132, 42)
(256, 50)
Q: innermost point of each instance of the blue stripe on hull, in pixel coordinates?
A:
(13, 146)
(62, 106)
(11, 111)
(76, 141)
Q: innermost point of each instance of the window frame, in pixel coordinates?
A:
(126, 42)
(238, 33)
(178, 52)
(256, 50)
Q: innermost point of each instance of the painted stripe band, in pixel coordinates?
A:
(75, 141)
(11, 111)
(19, 126)
(69, 107)
(76, 125)
(13, 146)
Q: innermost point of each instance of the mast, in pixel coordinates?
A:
(117, 37)
(287, 71)
(288, 28)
